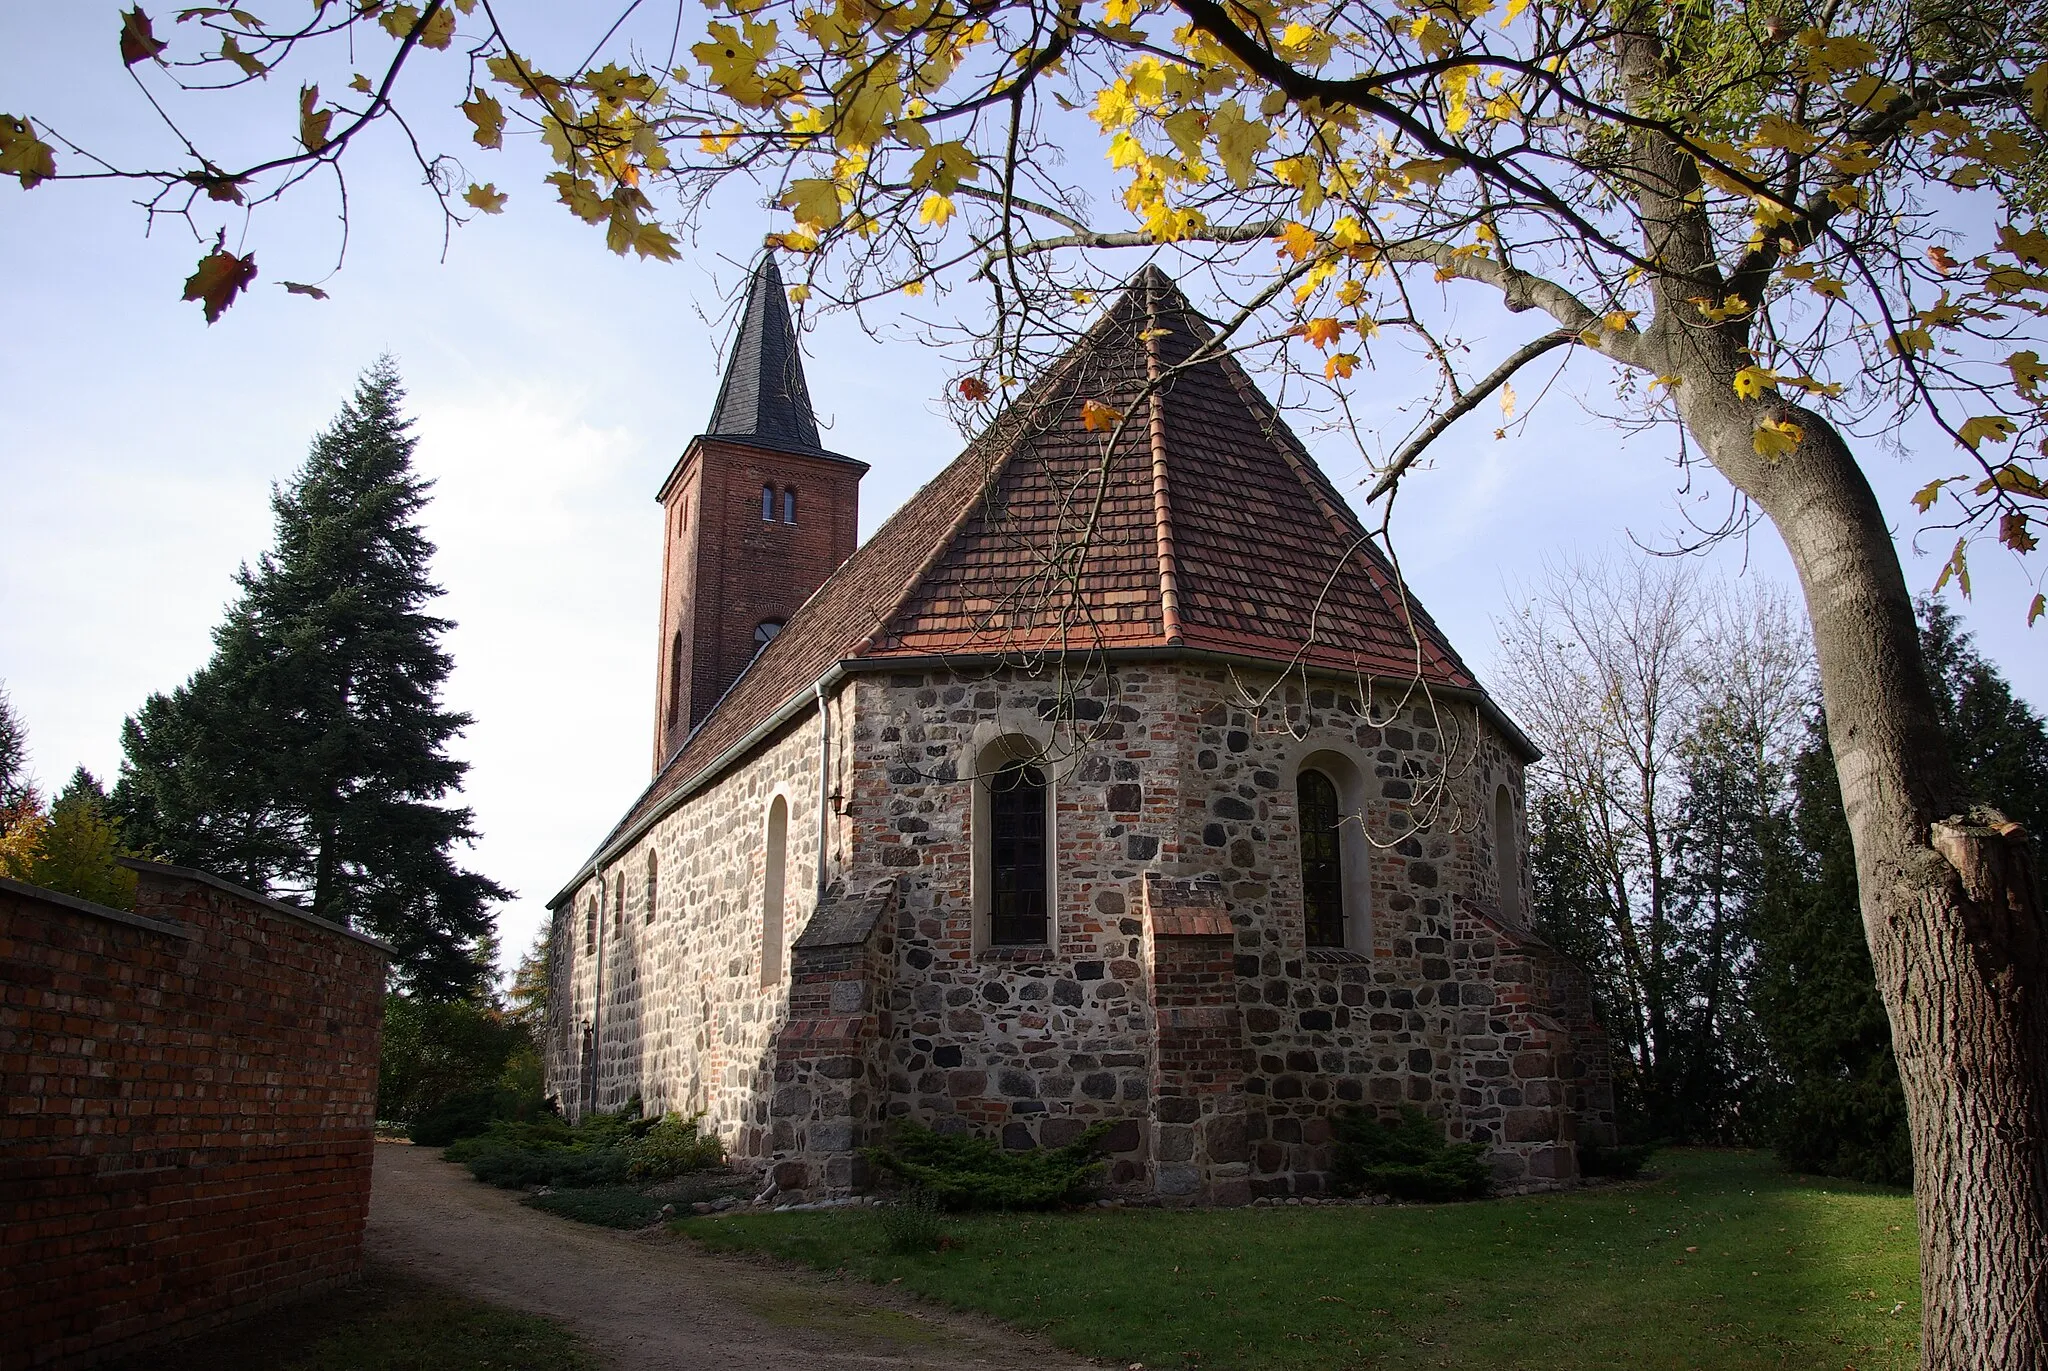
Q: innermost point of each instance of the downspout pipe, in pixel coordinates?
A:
(824, 784)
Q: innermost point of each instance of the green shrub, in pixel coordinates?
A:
(1408, 1160)
(910, 1223)
(596, 1151)
(673, 1146)
(961, 1171)
(612, 1206)
(1624, 1163)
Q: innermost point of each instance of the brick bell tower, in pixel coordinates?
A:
(758, 515)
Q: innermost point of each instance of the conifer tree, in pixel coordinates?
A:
(1843, 1111)
(14, 782)
(308, 758)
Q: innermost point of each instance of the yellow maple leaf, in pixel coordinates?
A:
(485, 197)
(1751, 382)
(1776, 131)
(22, 154)
(1831, 287)
(399, 20)
(1322, 332)
(313, 121)
(1096, 416)
(1239, 141)
(1507, 401)
(1297, 241)
(2027, 372)
(799, 293)
(1824, 56)
(1985, 428)
(439, 30)
(1910, 340)
(815, 202)
(489, 117)
(936, 209)
(1776, 439)
(1730, 307)
(1340, 366)
(944, 167)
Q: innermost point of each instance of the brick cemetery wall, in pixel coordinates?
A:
(190, 1100)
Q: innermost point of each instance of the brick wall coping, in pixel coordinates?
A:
(100, 911)
(291, 911)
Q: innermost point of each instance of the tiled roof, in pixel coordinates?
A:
(1204, 526)
(763, 398)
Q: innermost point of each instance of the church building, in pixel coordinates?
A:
(1117, 777)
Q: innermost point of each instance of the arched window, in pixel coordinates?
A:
(767, 504)
(774, 876)
(619, 904)
(653, 882)
(1336, 856)
(1322, 859)
(1506, 868)
(765, 631)
(1016, 855)
(590, 926)
(789, 505)
(675, 679)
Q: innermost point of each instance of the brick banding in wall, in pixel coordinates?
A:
(190, 1100)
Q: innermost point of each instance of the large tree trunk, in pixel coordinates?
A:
(1950, 902)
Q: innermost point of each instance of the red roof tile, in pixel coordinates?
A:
(1205, 525)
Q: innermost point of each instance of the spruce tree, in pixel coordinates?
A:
(308, 758)
(1842, 1109)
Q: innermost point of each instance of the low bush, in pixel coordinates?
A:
(1407, 1160)
(960, 1171)
(610, 1206)
(673, 1147)
(1622, 1163)
(600, 1150)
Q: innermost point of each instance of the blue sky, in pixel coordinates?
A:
(554, 386)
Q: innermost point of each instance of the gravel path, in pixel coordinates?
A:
(655, 1303)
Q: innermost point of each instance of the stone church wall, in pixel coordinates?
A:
(1192, 1014)
(1191, 773)
(685, 1021)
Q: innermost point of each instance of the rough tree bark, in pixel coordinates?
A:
(1950, 903)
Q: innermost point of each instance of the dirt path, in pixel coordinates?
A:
(659, 1304)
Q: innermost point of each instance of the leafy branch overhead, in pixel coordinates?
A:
(1797, 204)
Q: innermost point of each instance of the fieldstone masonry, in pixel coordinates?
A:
(1175, 995)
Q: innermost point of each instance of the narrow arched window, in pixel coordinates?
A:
(765, 631)
(675, 679)
(774, 875)
(767, 504)
(1506, 868)
(1016, 855)
(789, 505)
(1322, 859)
(590, 926)
(653, 883)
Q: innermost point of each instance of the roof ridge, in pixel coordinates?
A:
(1162, 503)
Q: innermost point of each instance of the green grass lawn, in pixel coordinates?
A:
(1720, 1261)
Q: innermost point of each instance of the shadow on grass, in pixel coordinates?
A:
(387, 1321)
(1719, 1261)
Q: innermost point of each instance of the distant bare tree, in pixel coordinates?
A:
(1665, 708)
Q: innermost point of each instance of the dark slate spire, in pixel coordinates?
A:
(763, 398)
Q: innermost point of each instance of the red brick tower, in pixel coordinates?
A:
(759, 514)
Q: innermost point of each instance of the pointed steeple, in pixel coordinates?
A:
(763, 399)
